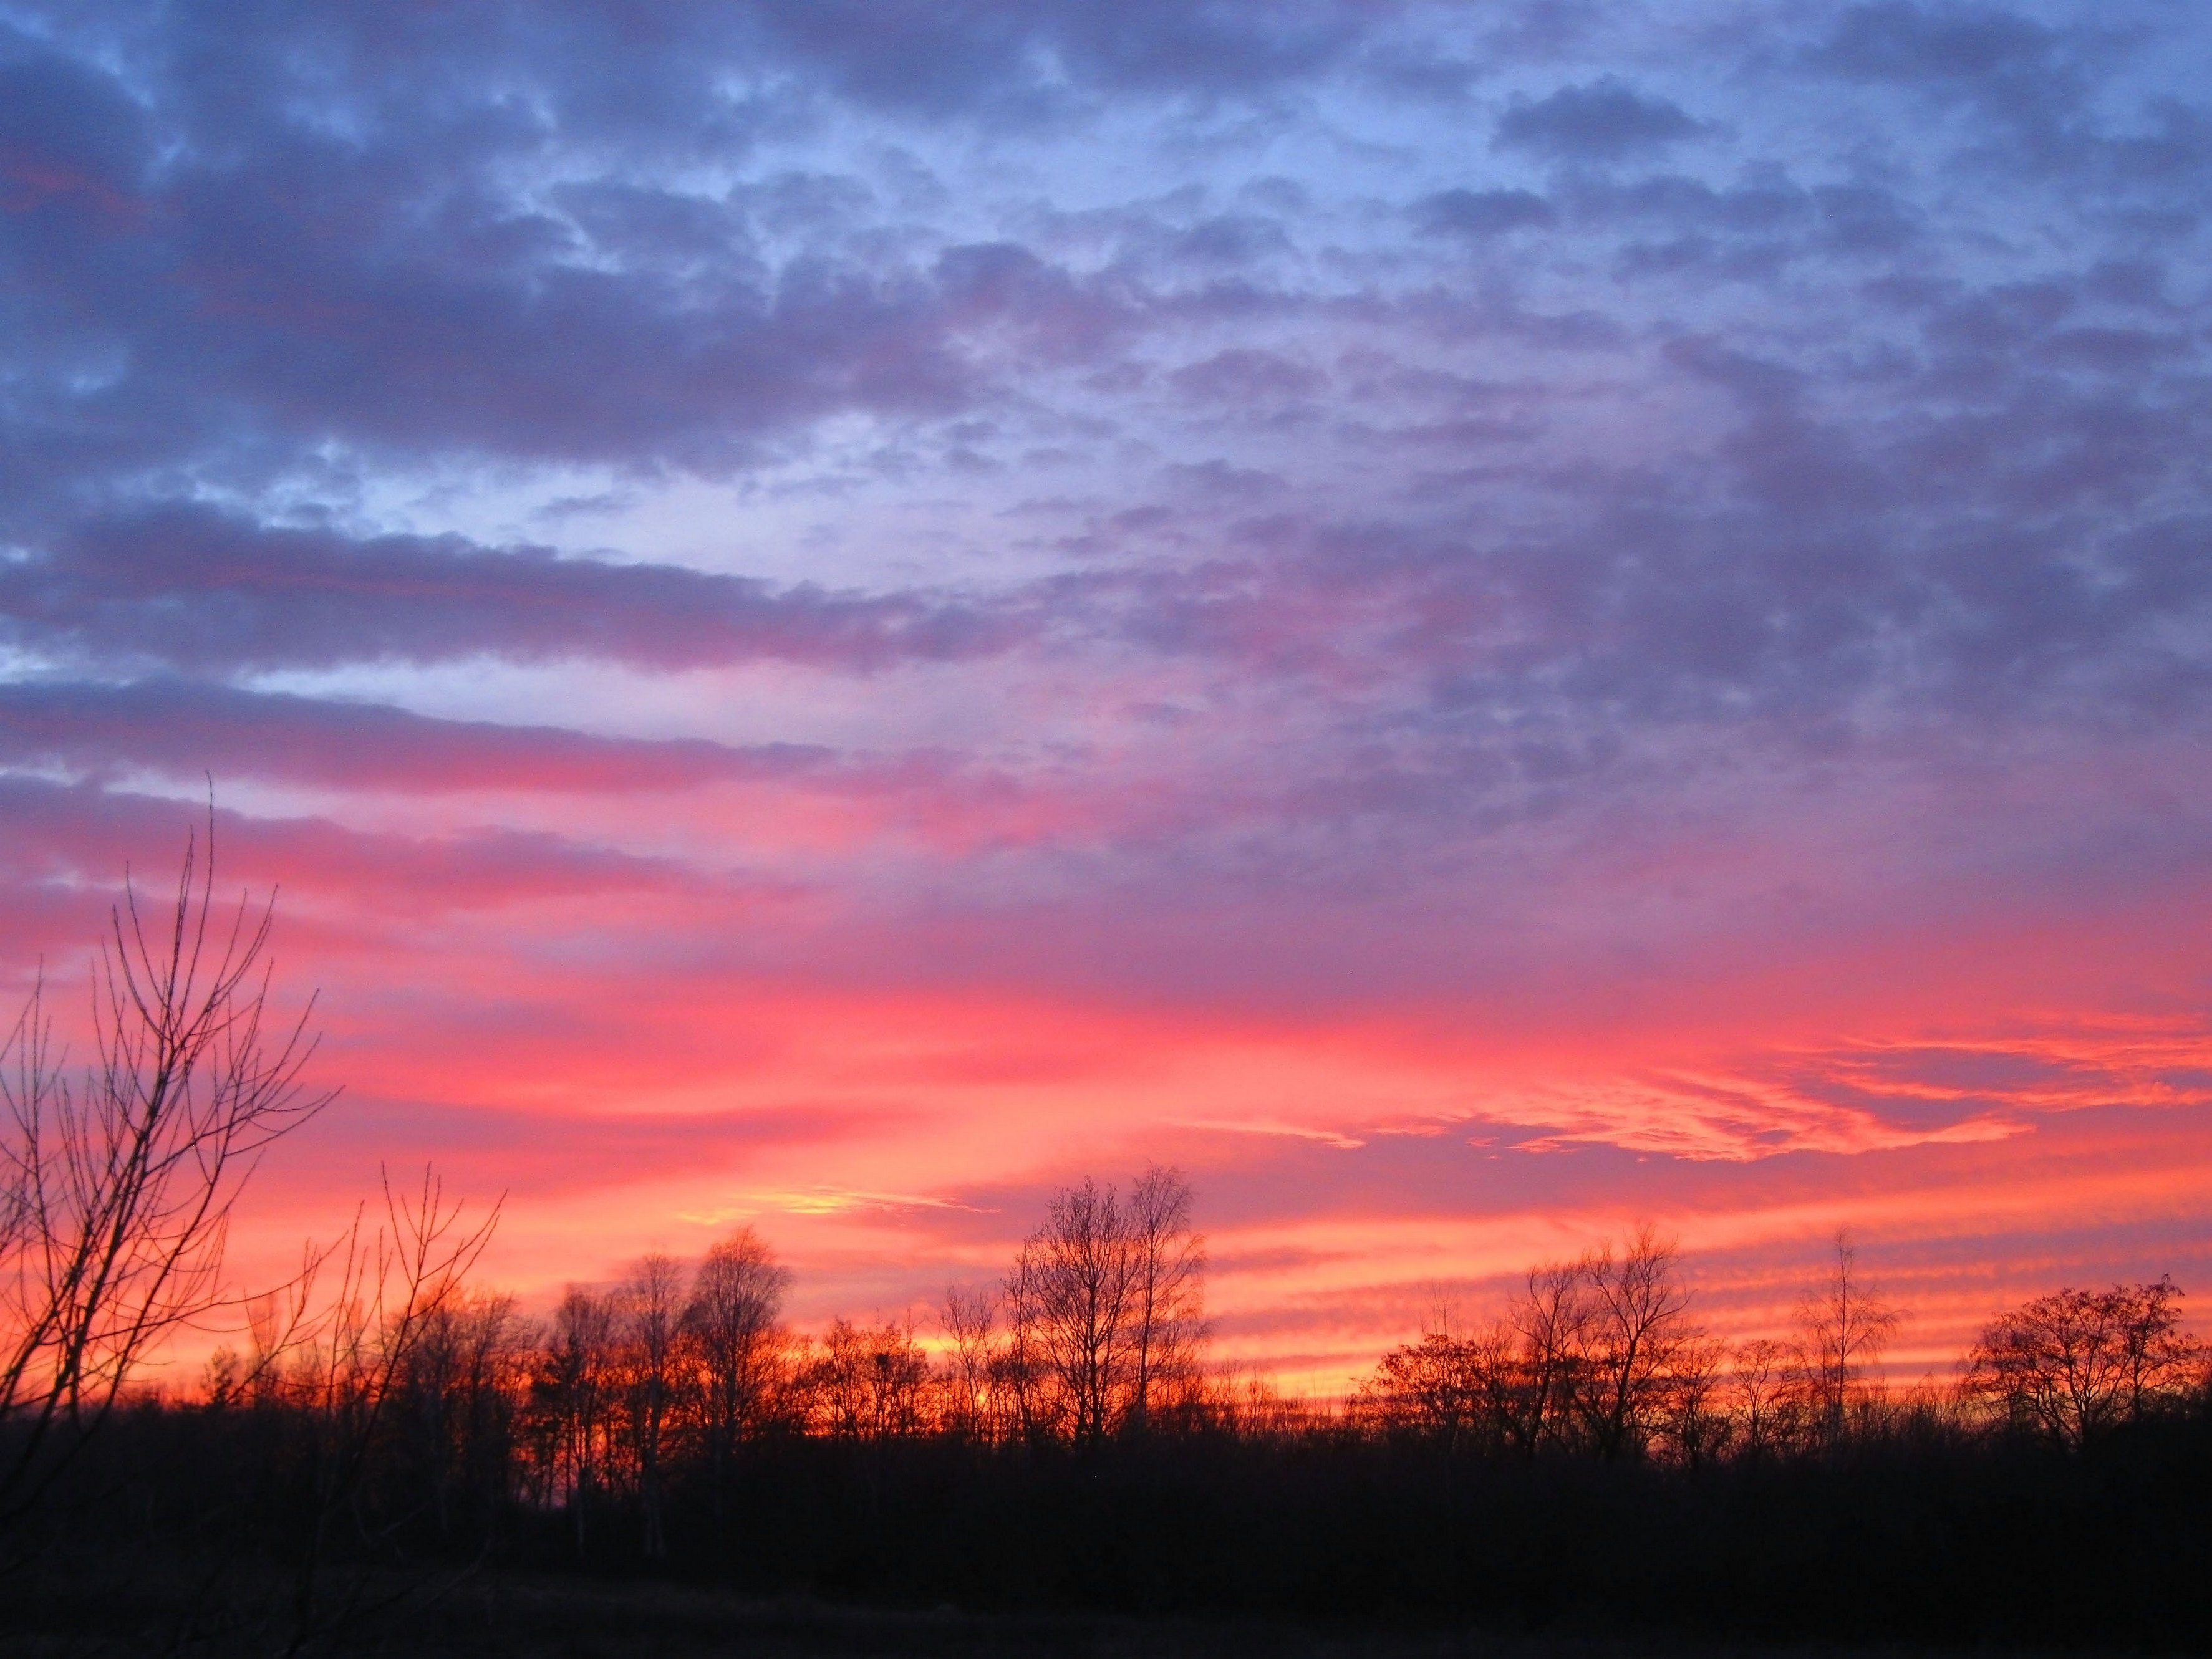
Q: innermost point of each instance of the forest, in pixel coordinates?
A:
(384, 1427)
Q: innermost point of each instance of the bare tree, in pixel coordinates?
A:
(871, 1380)
(1443, 1389)
(120, 1187)
(1598, 1352)
(1075, 1280)
(576, 1388)
(1697, 1420)
(459, 1385)
(1551, 1319)
(1843, 1327)
(970, 1319)
(1635, 1328)
(343, 1364)
(731, 1322)
(651, 1304)
(1022, 1399)
(1166, 1294)
(1762, 1404)
(2076, 1363)
(1103, 1309)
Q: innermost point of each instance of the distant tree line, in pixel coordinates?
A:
(1593, 1457)
(1601, 1356)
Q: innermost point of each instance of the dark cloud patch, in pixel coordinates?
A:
(1481, 212)
(1680, 202)
(73, 144)
(197, 590)
(2035, 83)
(1939, 45)
(1605, 120)
(185, 729)
(1008, 61)
(1805, 571)
(1859, 219)
(240, 286)
(690, 78)
(1751, 230)
(1248, 377)
(315, 299)
(1233, 239)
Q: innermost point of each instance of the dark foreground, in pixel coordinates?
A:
(195, 1531)
(486, 1616)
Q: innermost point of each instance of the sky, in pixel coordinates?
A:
(1474, 624)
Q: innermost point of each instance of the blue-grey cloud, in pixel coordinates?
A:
(188, 729)
(1603, 121)
(1712, 426)
(194, 589)
(1482, 213)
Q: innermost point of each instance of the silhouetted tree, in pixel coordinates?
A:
(1104, 1307)
(1453, 1391)
(2076, 1363)
(1072, 1288)
(575, 1394)
(870, 1382)
(1697, 1421)
(1598, 1353)
(730, 1324)
(1168, 1289)
(342, 1361)
(116, 1190)
(969, 1318)
(652, 1309)
(1717, 1503)
(1763, 1407)
(1633, 1330)
(1552, 1317)
(1843, 1329)
(461, 1383)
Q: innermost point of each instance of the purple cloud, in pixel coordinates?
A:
(1482, 213)
(186, 728)
(195, 589)
(1604, 121)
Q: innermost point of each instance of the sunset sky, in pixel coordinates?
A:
(1474, 623)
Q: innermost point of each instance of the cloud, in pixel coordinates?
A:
(2014, 65)
(1481, 212)
(1245, 377)
(1605, 120)
(1004, 60)
(196, 589)
(87, 836)
(539, 1154)
(183, 729)
(215, 277)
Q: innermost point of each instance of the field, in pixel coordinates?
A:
(519, 1617)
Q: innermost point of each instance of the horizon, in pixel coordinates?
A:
(1472, 629)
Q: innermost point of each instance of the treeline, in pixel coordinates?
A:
(1603, 1356)
(628, 1400)
(648, 1409)
(1593, 1458)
